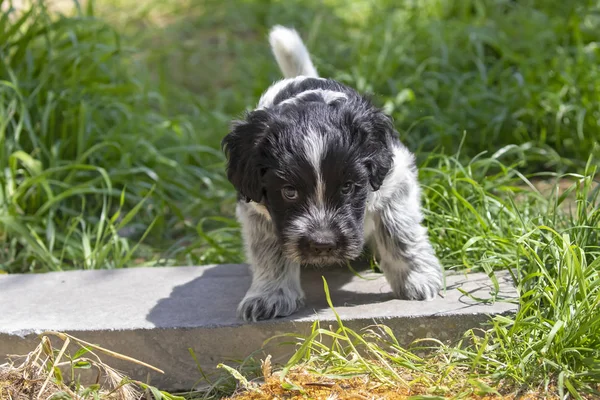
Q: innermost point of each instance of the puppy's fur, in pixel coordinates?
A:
(320, 172)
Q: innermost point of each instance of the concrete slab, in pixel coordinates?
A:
(157, 314)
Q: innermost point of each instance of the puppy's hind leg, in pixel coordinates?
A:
(402, 244)
(275, 290)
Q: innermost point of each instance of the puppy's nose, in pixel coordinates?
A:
(323, 243)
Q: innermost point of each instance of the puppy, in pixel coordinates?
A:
(320, 172)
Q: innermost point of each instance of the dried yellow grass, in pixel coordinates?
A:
(38, 375)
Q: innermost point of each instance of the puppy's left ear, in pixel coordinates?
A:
(380, 133)
(241, 147)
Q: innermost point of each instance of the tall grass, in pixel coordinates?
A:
(503, 72)
(91, 165)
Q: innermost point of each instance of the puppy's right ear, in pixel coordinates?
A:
(241, 146)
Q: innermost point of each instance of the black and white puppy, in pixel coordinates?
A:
(320, 172)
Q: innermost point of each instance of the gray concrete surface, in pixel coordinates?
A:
(157, 314)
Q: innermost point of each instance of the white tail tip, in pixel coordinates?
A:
(291, 53)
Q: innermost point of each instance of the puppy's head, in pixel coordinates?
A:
(312, 165)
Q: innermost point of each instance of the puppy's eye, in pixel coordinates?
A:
(289, 193)
(348, 188)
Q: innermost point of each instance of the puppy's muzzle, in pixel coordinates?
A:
(321, 243)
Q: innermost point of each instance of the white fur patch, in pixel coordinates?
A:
(260, 209)
(400, 174)
(314, 149)
(328, 95)
(266, 100)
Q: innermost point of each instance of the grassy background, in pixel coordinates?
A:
(111, 117)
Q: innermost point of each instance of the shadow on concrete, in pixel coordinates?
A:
(211, 297)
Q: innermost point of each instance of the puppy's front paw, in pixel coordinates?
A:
(278, 303)
(418, 286)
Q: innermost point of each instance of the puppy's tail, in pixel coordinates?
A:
(291, 54)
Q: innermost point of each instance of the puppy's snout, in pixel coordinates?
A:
(322, 243)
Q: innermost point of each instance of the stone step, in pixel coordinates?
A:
(156, 314)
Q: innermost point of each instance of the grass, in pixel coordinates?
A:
(85, 148)
(111, 118)
(52, 373)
